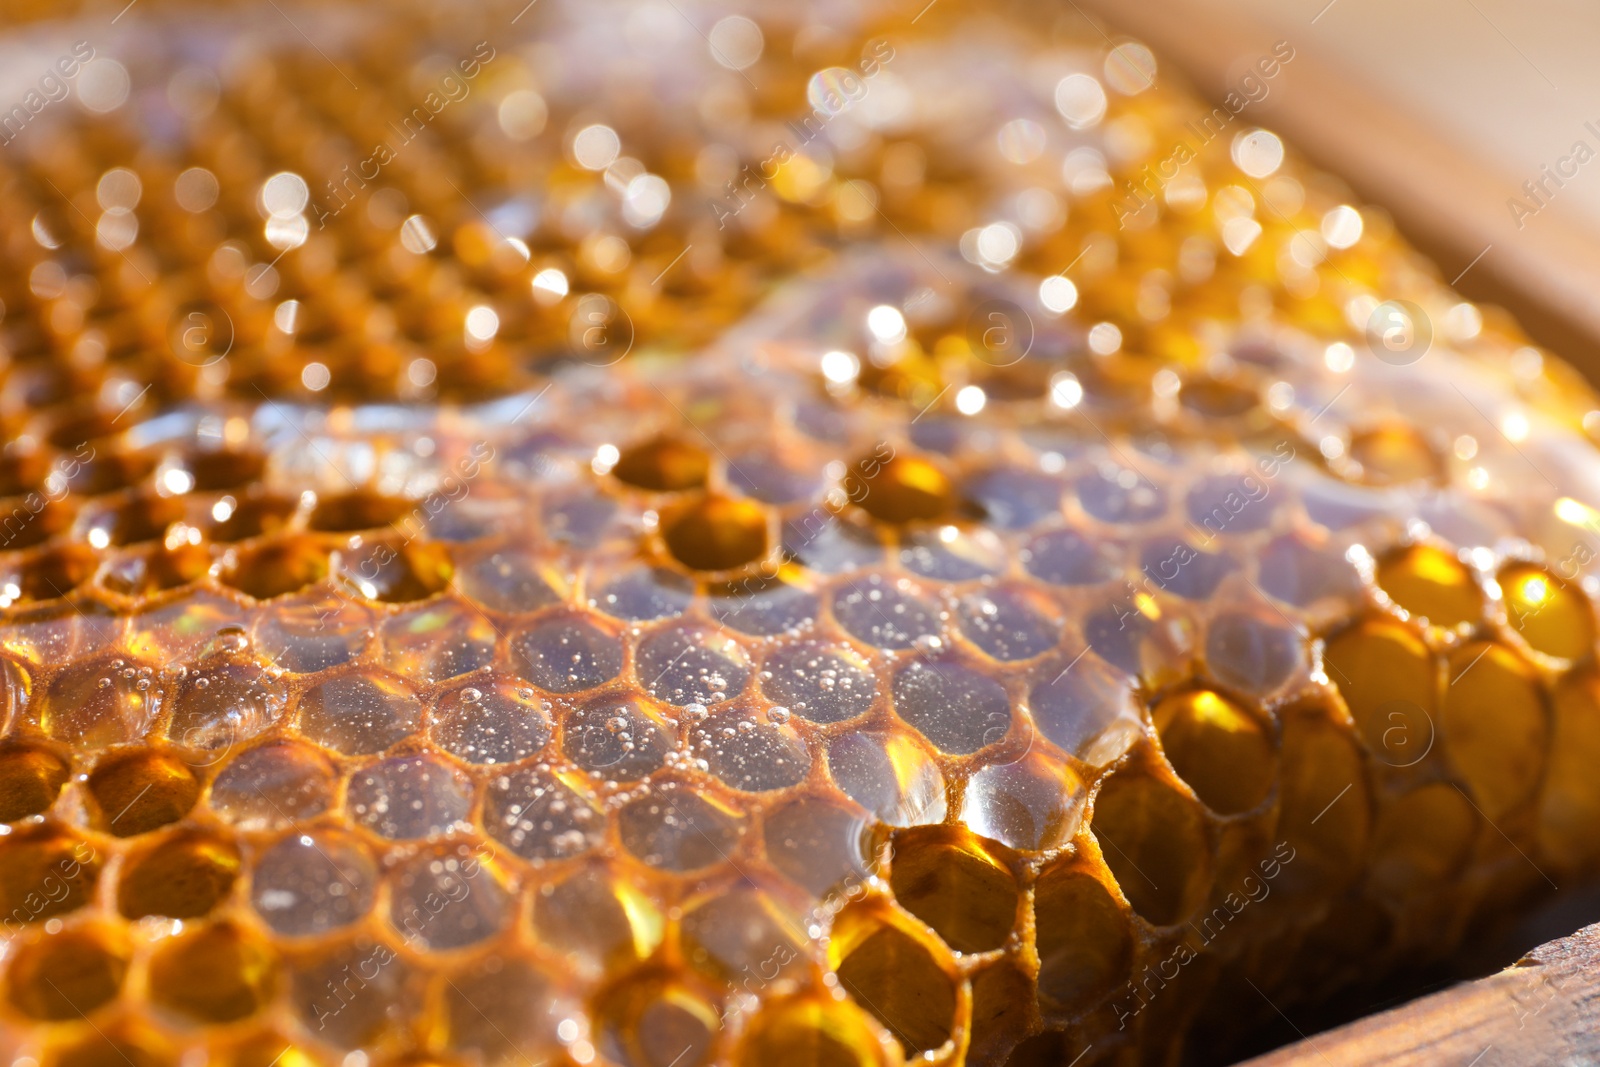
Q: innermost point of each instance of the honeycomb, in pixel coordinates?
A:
(658, 536)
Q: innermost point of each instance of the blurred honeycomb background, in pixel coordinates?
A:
(656, 535)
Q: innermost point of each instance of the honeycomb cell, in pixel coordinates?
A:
(678, 830)
(1217, 747)
(313, 632)
(1420, 840)
(1254, 653)
(1085, 945)
(66, 975)
(651, 1013)
(356, 511)
(273, 785)
(716, 533)
(359, 714)
(541, 816)
(741, 932)
(950, 881)
(956, 708)
(183, 877)
(110, 1050)
(1155, 844)
(663, 465)
(1120, 496)
(506, 580)
(502, 1011)
(885, 613)
(898, 488)
(819, 683)
(392, 571)
(443, 639)
(1177, 567)
(1390, 682)
(641, 594)
(1494, 725)
(490, 721)
(409, 797)
(763, 608)
(1087, 708)
(45, 873)
(1567, 806)
(749, 754)
(447, 897)
(1068, 558)
(99, 702)
(897, 977)
(1008, 624)
(817, 843)
(142, 792)
(1428, 581)
(1549, 613)
(30, 780)
(600, 917)
(617, 737)
(216, 974)
(1394, 455)
(691, 666)
(566, 655)
(1033, 802)
(222, 705)
(804, 1032)
(308, 884)
(276, 567)
(1324, 805)
(890, 775)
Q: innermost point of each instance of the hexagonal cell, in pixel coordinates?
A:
(447, 897)
(1323, 800)
(1569, 807)
(1394, 454)
(30, 780)
(183, 877)
(1033, 802)
(749, 754)
(28, 525)
(214, 975)
(360, 713)
(216, 469)
(346, 993)
(1218, 747)
(253, 515)
(142, 792)
(900, 488)
(1068, 558)
(45, 873)
(1086, 708)
(276, 567)
(743, 931)
(957, 708)
(1256, 653)
(1177, 567)
(690, 665)
(272, 785)
(409, 797)
(438, 640)
(98, 702)
(1421, 840)
(542, 816)
(138, 518)
(502, 1010)
(1120, 496)
(1390, 682)
(359, 510)
(1550, 614)
(1494, 725)
(1155, 844)
(652, 1012)
(896, 976)
(952, 554)
(490, 721)
(313, 632)
(66, 975)
(1084, 942)
(1305, 574)
(148, 571)
(504, 579)
(816, 843)
(949, 879)
(885, 613)
(308, 884)
(1430, 582)
(603, 918)
(566, 654)
(391, 571)
(113, 1049)
(1009, 624)
(663, 465)
(221, 705)
(763, 607)
(679, 830)
(640, 594)
(818, 682)
(55, 571)
(716, 533)
(618, 737)
(809, 1032)
(890, 775)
